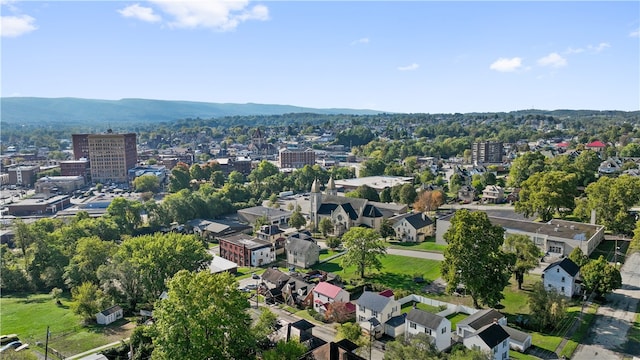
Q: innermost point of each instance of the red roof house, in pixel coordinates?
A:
(596, 145)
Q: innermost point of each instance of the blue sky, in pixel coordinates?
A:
(410, 57)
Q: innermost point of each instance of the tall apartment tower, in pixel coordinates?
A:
(487, 152)
(110, 155)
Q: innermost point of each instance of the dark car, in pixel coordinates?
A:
(255, 276)
(12, 345)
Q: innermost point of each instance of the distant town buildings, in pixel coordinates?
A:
(110, 155)
(487, 152)
(296, 158)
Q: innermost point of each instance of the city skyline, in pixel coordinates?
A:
(410, 57)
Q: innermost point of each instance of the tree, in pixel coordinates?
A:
(203, 317)
(407, 194)
(372, 167)
(146, 183)
(546, 194)
(126, 214)
(325, 225)
(333, 242)
(524, 166)
(415, 347)
(88, 300)
(297, 220)
(546, 307)
(578, 257)
(386, 229)
(634, 246)
(526, 254)
(385, 195)
(364, 249)
(601, 277)
(475, 259)
(263, 171)
(90, 254)
(630, 150)
(180, 178)
(265, 325)
(429, 201)
(286, 350)
(612, 198)
(140, 267)
(352, 332)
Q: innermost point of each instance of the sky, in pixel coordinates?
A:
(406, 57)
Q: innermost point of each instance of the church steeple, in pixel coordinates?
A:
(331, 187)
(315, 198)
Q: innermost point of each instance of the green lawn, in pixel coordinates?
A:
(455, 318)
(605, 248)
(397, 272)
(428, 308)
(428, 245)
(325, 253)
(29, 315)
(633, 336)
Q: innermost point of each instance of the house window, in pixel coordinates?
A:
(360, 308)
(562, 289)
(412, 325)
(444, 330)
(557, 270)
(374, 313)
(562, 279)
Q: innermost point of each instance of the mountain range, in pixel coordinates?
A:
(35, 110)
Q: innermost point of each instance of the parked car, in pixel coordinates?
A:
(11, 346)
(5, 339)
(251, 286)
(255, 276)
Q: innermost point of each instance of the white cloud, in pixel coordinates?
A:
(411, 67)
(506, 65)
(360, 41)
(553, 60)
(635, 33)
(219, 15)
(574, 50)
(14, 26)
(598, 48)
(140, 12)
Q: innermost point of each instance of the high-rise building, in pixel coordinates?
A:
(110, 155)
(487, 152)
(296, 158)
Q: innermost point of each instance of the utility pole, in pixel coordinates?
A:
(46, 345)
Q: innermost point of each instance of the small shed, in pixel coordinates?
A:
(107, 316)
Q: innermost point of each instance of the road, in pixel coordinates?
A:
(608, 334)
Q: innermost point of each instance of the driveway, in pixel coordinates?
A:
(608, 334)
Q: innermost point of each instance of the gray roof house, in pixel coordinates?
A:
(302, 252)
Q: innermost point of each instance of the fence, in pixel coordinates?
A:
(450, 308)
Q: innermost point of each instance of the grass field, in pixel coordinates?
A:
(325, 253)
(429, 246)
(29, 315)
(455, 318)
(397, 272)
(406, 307)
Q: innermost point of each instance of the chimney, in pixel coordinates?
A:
(593, 217)
(495, 320)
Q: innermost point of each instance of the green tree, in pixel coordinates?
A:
(90, 254)
(524, 166)
(333, 242)
(546, 194)
(204, 317)
(386, 229)
(527, 255)
(146, 183)
(297, 220)
(141, 265)
(475, 258)
(14, 278)
(372, 167)
(286, 350)
(88, 300)
(578, 257)
(24, 237)
(364, 192)
(634, 246)
(600, 276)
(325, 225)
(612, 198)
(416, 347)
(265, 325)
(407, 194)
(547, 308)
(364, 249)
(126, 214)
(263, 171)
(196, 172)
(236, 177)
(180, 178)
(385, 195)
(630, 150)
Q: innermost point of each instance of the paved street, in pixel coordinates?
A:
(608, 334)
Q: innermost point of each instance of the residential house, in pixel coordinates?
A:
(493, 194)
(491, 338)
(302, 251)
(341, 350)
(596, 145)
(413, 227)
(274, 235)
(469, 325)
(563, 276)
(518, 340)
(325, 293)
(466, 194)
(374, 310)
(612, 165)
(107, 316)
(437, 327)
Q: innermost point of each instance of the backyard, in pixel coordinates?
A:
(29, 315)
(427, 245)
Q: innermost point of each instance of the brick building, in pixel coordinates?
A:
(246, 251)
(24, 175)
(110, 155)
(75, 168)
(296, 158)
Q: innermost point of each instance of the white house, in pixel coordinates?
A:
(413, 227)
(437, 327)
(518, 340)
(325, 293)
(374, 310)
(469, 325)
(491, 339)
(302, 251)
(562, 276)
(109, 315)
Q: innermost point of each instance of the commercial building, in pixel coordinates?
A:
(296, 158)
(246, 251)
(24, 175)
(39, 206)
(59, 184)
(75, 168)
(487, 152)
(110, 155)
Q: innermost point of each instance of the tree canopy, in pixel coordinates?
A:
(547, 193)
(475, 258)
(527, 255)
(364, 249)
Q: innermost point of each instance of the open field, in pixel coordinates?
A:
(29, 315)
(429, 245)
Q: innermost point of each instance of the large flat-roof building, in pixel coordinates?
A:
(556, 237)
(110, 155)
